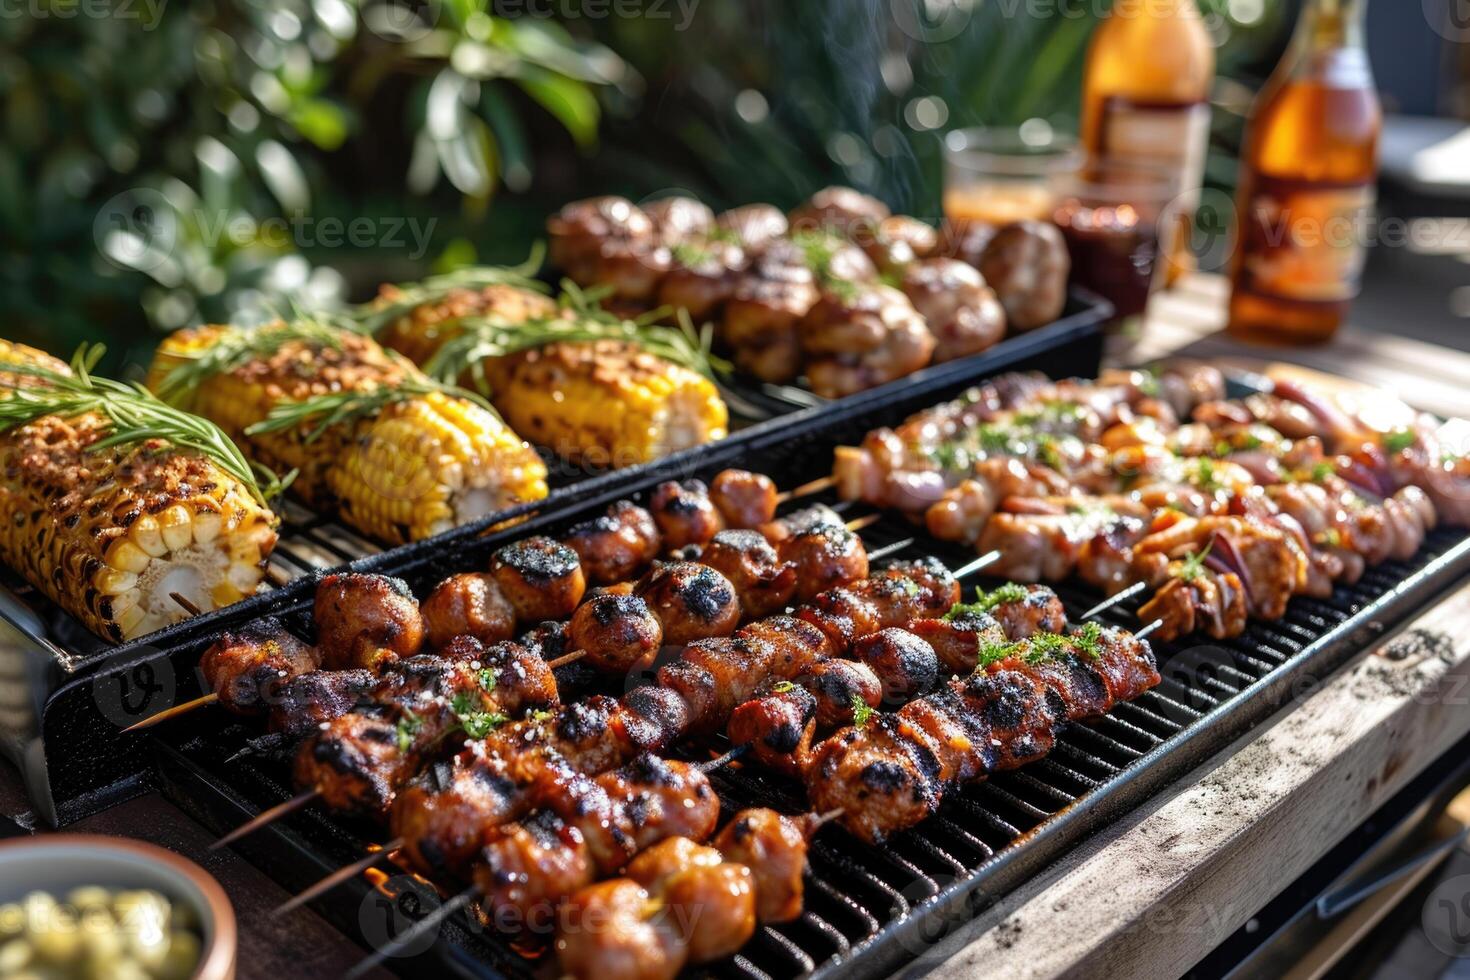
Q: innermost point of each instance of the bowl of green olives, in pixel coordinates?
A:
(82, 907)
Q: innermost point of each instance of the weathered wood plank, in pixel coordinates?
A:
(1154, 893)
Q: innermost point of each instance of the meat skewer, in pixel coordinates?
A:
(889, 771)
(622, 631)
(530, 581)
(1275, 517)
(592, 828)
(686, 698)
(681, 902)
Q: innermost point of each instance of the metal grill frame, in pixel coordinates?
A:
(870, 910)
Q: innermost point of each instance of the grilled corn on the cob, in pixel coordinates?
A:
(112, 535)
(602, 403)
(418, 466)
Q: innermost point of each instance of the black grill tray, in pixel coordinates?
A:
(869, 910)
(69, 693)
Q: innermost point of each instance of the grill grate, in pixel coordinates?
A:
(874, 908)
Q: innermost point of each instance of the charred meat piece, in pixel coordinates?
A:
(862, 337)
(764, 583)
(744, 499)
(842, 210)
(366, 621)
(684, 513)
(616, 545)
(468, 604)
(619, 634)
(825, 557)
(691, 601)
(1027, 265)
(962, 312)
(248, 670)
(542, 578)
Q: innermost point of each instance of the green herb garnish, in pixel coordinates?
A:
(995, 651)
(986, 602)
(1041, 647)
(862, 712)
(479, 338)
(1204, 475)
(373, 316)
(1087, 639)
(476, 722)
(1399, 439)
(134, 415)
(408, 726)
(238, 346)
(341, 407)
(487, 679)
(781, 687)
(1191, 567)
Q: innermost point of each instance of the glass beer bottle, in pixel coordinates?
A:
(1307, 176)
(1145, 102)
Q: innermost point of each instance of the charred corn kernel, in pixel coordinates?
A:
(127, 557)
(603, 403)
(417, 467)
(96, 532)
(178, 528)
(110, 581)
(147, 535)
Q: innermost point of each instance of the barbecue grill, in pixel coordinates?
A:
(67, 693)
(868, 910)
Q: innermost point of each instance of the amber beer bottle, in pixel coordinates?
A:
(1145, 101)
(1307, 183)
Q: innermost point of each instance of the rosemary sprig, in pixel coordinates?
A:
(479, 338)
(134, 415)
(239, 346)
(341, 407)
(373, 316)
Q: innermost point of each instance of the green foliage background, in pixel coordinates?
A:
(147, 143)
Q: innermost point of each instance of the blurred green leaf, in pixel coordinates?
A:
(570, 101)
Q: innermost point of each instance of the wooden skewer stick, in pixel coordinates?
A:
(1113, 600)
(566, 658)
(858, 523)
(338, 877)
(971, 567)
(1141, 634)
(414, 933)
(806, 489)
(174, 712)
(188, 606)
(265, 817)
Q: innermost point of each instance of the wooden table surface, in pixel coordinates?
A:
(1240, 826)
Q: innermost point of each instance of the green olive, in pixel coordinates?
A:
(182, 957)
(15, 956)
(12, 920)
